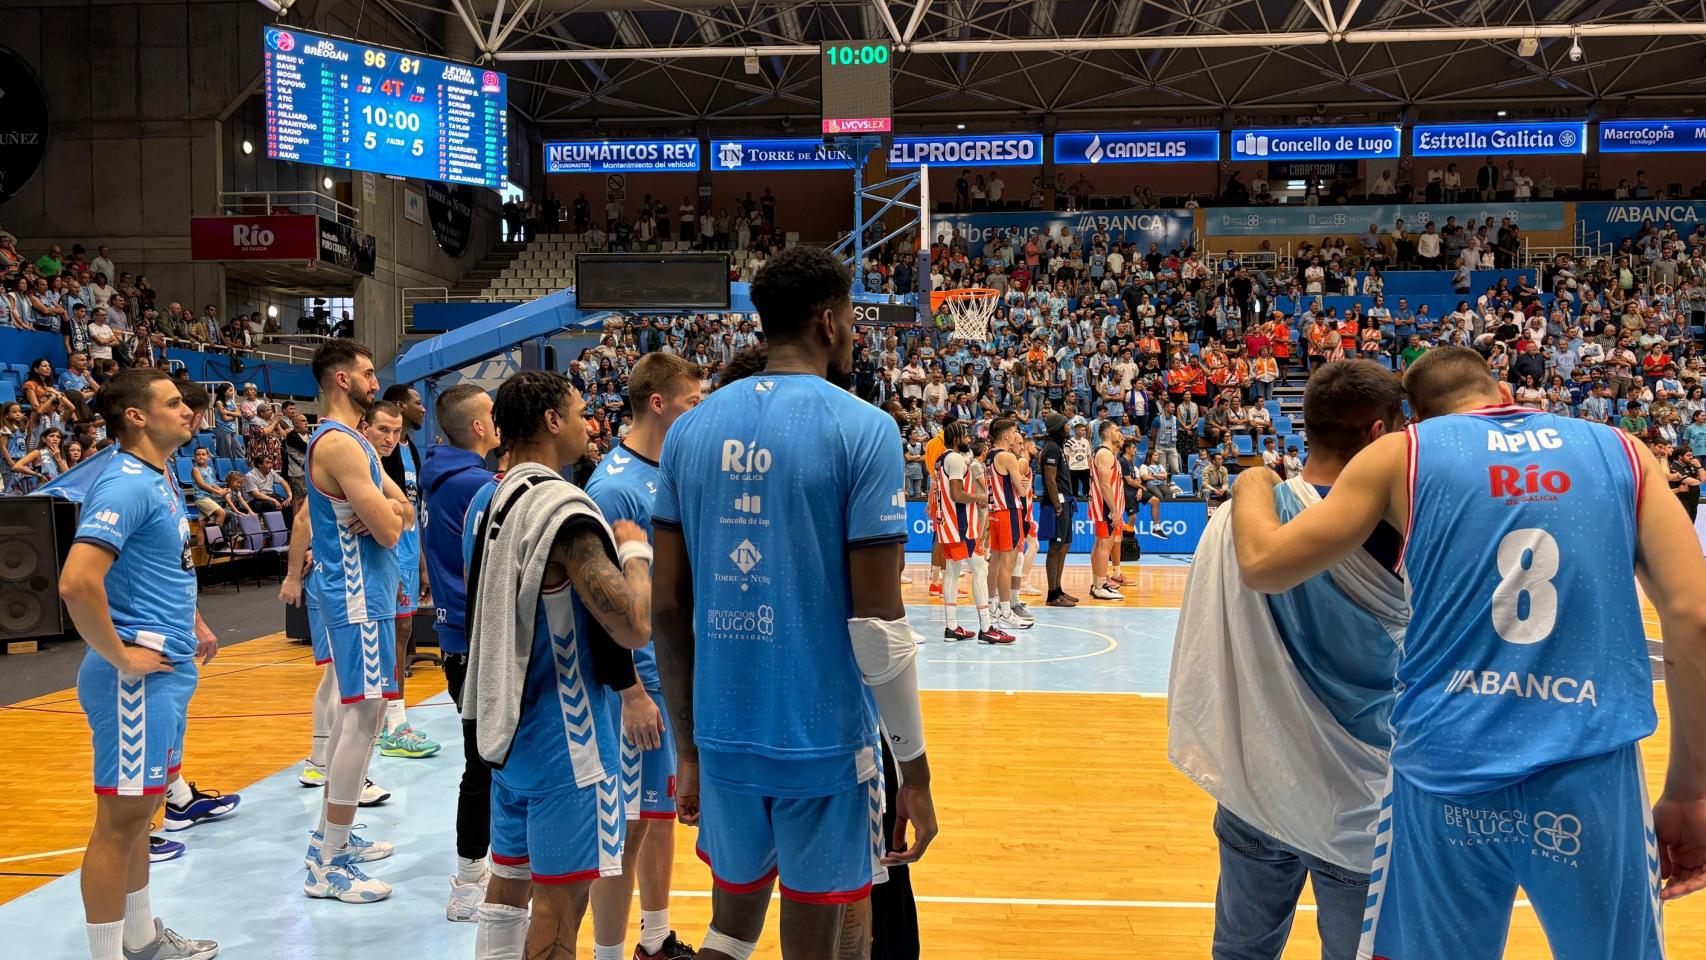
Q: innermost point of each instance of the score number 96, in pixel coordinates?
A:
(378, 59)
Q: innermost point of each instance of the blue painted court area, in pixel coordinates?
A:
(240, 882)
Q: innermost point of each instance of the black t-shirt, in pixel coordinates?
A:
(393, 465)
(295, 455)
(1688, 469)
(1053, 456)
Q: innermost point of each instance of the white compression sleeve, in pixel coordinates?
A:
(887, 654)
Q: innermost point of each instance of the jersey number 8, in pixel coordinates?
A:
(1533, 580)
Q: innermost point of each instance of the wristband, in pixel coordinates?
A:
(632, 549)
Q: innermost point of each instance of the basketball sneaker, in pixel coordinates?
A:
(313, 774)
(364, 851)
(1118, 579)
(372, 794)
(406, 741)
(202, 807)
(671, 949)
(465, 899)
(995, 635)
(904, 579)
(1029, 590)
(160, 849)
(169, 945)
(343, 880)
(1156, 531)
(1103, 591)
(1022, 615)
(956, 634)
(935, 589)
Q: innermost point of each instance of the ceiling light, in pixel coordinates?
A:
(1527, 47)
(959, 126)
(1503, 112)
(248, 147)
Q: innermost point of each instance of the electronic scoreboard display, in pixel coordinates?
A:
(339, 103)
(857, 89)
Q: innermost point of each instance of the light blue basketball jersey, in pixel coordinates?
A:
(1526, 647)
(771, 481)
(409, 544)
(566, 737)
(624, 486)
(357, 577)
(135, 513)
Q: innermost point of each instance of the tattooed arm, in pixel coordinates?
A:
(621, 600)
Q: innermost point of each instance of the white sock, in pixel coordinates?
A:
(502, 932)
(395, 717)
(470, 871)
(138, 920)
(334, 839)
(106, 940)
(178, 793)
(985, 619)
(723, 943)
(654, 929)
(951, 593)
(606, 951)
(1006, 608)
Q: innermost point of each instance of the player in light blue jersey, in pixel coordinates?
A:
(129, 585)
(661, 388)
(1524, 684)
(550, 586)
(356, 515)
(382, 426)
(781, 637)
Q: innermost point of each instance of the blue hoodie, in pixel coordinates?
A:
(450, 476)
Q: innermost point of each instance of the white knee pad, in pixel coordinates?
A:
(979, 579)
(723, 943)
(519, 871)
(886, 651)
(351, 748)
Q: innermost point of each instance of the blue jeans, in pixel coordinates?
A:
(1260, 878)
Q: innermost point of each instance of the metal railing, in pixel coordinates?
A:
(408, 297)
(260, 203)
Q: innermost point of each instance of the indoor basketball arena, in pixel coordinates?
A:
(852, 479)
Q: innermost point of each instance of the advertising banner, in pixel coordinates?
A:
(291, 236)
(1298, 219)
(1137, 146)
(1651, 136)
(341, 245)
(1615, 220)
(1315, 143)
(1498, 139)
(631, 156)
(802, 154)
(1182, 520)
(1171, 229)
(1000, 150)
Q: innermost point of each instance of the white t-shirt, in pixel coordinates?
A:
(995, 187)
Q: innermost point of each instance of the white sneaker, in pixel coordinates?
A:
(1011, 622)
(1022, 613)
(1029, 591)
(904, 579)
(361, 850)
(372, 794)
(313, 774)
(465, 899)
(343, 880)
(1102, 592)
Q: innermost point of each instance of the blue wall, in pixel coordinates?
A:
(439, 317)
(23, 346)
(272, 377)
(1183, 519)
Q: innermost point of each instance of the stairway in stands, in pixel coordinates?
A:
(480, 276)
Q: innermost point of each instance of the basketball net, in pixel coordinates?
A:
(971, 309)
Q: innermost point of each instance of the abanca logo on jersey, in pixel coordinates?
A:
(1493, 683)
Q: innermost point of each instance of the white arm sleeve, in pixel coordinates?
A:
(886, 653)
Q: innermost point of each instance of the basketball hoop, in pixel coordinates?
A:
(971, 309)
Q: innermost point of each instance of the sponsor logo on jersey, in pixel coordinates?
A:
(1495, 683)
(745, 461)
(1557, 837)
(109, 517)
(743, 624)
(1528, 485)
(1481, 827)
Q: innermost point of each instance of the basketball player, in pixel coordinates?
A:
(960, 507)
(933, 450)
(453, 472)
(1524, 684)
(1006, 524)
(129, 585)
(383, 426)
(662, 387)
(402, 464)
(790, 797)
(1107, 510)
(1025, 453)
(356, 516)
(1054, 523)
(540, 559)
(1280, 706)
(298, 588)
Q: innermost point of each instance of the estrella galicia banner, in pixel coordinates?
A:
(1170, 229)
(629, 156)
(1182, 520)
(1651, 136)
(803, 154)
(23, 123)
(1315, 143)
(1618, 219)
(1294, 219)
(999, 150)
(1498, 139)
(1137, 146)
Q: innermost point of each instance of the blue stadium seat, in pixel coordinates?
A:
(1183, 482)
(1282, 425)
(183, 472)
(1191, 463)
(8, 392)
(241, 465)
(222, 467)
(1245, 446)
(1273, 408)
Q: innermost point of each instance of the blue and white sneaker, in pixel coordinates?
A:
(160, 849)
(362, 850)
(343, 880)
(202, 807)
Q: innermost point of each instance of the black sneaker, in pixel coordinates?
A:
(671, 949)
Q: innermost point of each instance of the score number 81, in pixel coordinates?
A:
(377, 59)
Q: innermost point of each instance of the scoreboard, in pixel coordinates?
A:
(344, 104)
(857, 87)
